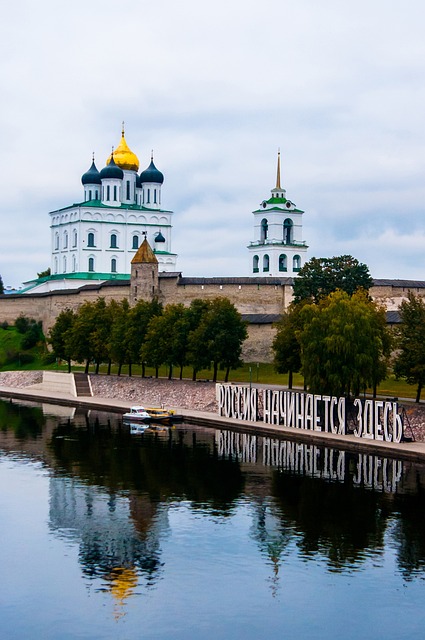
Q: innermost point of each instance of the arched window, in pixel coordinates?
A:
(108, 193)
(65, 240)
(282, 262)
(74, 264)
(266, 262)
(296, 263)
(154, 196)
(91, 264)
(113, 265)
(288, 231)
(128, 189)
(255, 261)
(149, 196)
(56, 265)
(96, 195)
(115, 193)
(89, 194)
(56, 241)
(114, 244)
(90, 239)
(64, 264)
(264, 229)
(74, 238)
(135, 242)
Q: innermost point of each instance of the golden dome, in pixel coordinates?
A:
(124, 157)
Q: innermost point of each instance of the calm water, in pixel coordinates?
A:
(192, 533)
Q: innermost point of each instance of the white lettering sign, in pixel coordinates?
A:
(372, 419)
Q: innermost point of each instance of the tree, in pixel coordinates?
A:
(286, 347)
(410, 360)
(166, 339)
(118, 339)
(88, 337)
(320, 276)
(218, 337)
(344, 344)
(195, 349)
(59, 334)
(44, 274)
(138, 321)
(1, 286)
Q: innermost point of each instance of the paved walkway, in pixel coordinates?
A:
(414, 451)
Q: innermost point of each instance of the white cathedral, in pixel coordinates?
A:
(97, 238)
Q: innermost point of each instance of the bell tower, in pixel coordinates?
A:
(278, 248)
(144, 282)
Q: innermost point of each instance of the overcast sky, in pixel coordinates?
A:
(215, 89)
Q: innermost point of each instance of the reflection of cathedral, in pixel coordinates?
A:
(119, 536)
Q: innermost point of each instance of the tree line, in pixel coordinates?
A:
(208, 333)
(337, 337)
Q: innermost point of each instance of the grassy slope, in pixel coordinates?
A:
(263, 373)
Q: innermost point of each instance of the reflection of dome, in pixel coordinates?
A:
(123, 582)
(111, 170)
(92, 176)
(124, 157)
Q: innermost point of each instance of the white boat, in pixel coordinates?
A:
(136, 414)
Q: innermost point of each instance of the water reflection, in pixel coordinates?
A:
(111, 494)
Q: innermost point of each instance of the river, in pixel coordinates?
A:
(195, 533)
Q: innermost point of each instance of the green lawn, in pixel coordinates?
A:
(12, 358)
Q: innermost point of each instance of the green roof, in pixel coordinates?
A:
(80, 275)
(99, 205)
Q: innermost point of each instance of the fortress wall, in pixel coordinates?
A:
(247, 298)
(47, 306)
(258, 346)
(392, 296)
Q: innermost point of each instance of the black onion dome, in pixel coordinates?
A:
(152, 174)
(92, 176)
(159, 237)
(111, 171)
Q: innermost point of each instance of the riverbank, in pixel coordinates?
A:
(180, 394)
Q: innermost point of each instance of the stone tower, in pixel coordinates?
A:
(144, 283)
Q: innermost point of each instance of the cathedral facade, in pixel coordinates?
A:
(97, 238)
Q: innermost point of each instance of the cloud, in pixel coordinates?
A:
(214, 90)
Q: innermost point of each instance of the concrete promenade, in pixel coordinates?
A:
(414, 451)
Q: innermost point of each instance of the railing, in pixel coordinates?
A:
(294, 243)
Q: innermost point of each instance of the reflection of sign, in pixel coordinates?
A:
(369, 471)
(370, 419)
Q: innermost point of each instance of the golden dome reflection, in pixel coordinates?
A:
(123, 156)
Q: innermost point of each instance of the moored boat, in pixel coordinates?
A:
(163, 415)
(151, 414)
(136, 414)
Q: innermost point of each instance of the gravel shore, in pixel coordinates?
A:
(182, 394)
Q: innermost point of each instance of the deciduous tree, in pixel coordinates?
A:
(59, 336)
(320, 276)
(344, 344)
(410, 360)
(286, 347)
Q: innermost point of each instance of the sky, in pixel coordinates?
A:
(215, 89)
